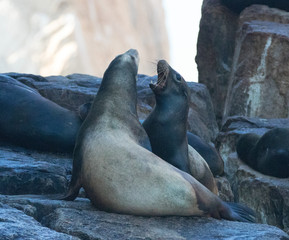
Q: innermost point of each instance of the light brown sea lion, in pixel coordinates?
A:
(120, 175)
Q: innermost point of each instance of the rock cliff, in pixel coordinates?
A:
(64, 37)
(242, 57)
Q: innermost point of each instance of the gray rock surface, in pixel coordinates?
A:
(268, 196)
(14, 224)
(242, 57)
(23, 171)
(215, 50)
(81, 220)
(258, 86)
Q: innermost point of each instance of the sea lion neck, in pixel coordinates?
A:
(179, 110)
(118, 88)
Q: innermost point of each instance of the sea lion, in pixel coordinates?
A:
(166, 125)
(268, 154)
(30, 120)
(116, 170)
(208, 152)
(239, 5)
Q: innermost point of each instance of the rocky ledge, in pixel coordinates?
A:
(35, 217)
(268, 196)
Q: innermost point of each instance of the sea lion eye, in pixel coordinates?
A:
(178, 77)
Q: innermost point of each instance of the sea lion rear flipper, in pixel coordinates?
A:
(237, 212)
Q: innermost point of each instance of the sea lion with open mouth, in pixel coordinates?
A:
(116, 170)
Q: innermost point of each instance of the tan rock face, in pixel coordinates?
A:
(259, 80)
(243, 59)
(62, 37)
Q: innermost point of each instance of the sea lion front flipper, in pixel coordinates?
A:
(200, 170)
(83, 110)
(75, 183)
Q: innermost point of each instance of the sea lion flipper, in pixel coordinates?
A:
(75, 183)
(83, 110)
(237, 212)
(72, 192)
(200, 170)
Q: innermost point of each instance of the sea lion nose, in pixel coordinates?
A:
(133, 52)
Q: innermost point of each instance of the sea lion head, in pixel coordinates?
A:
(126, 63)
(169, 82)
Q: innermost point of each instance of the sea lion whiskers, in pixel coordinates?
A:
(162, 77)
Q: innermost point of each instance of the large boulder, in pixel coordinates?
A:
(17, 225)
(80, 219)
(259, 80)
(24, 171)
(268, 196)
(215, 50)
(242, 57)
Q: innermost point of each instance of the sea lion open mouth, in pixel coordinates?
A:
(163, 72)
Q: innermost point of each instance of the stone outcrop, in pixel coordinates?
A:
(215, 49)
(17, 225)
(63, 37)
(25, 172)
(83, 221)
(259, 81)
(268, 196)
(242, 57)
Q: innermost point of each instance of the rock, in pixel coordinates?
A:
(244, 63)
(215, 50)
(259, 84)
(62, 37)
(23, 171)
(225, 191)
(201, 119)
(268, 196)
(17, 225)
(81, 220)
(74, 90)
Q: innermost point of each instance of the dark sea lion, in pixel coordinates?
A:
(208, 152)
(166, 125)
(239, 5)
(268, 154)
(116, 170)
(30, 120)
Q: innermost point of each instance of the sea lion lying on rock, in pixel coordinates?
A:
(30, 120)
(268, 154)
